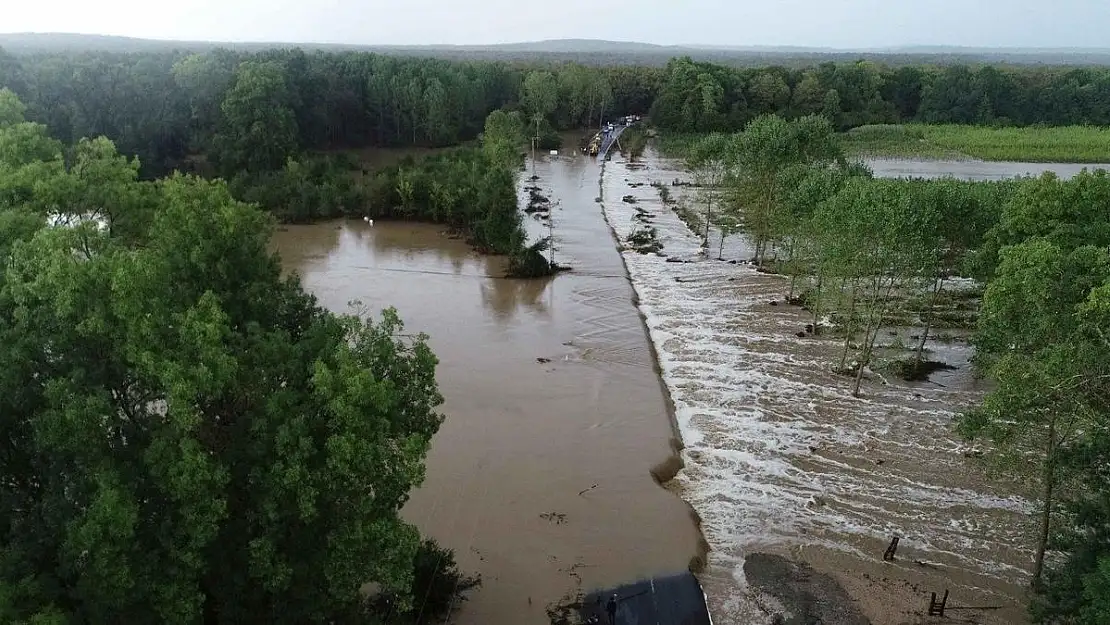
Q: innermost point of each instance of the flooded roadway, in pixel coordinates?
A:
(523, 438)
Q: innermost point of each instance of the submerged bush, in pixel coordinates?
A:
(438, 587)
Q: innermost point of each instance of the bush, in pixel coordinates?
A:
(438, 587)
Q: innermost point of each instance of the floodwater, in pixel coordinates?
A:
(781, 458)
(539, 478)
(971, 169)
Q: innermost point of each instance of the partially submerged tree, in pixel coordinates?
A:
(758, 156)
(708, 160)
(876, 240)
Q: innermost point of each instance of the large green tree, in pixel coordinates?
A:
(187, 437)
(259, 129)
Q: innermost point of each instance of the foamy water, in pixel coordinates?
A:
(779, 456)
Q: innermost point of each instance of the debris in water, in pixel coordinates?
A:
(543, 360)
(558, 518)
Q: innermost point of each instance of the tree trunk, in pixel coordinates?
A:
(1046, 513)
(708, 220)
(865, 355)
(848, 327)
(871, 331)
(721, 247)
(928, 323)
(816, 304)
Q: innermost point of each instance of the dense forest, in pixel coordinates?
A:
(863, 254)
(226, 112)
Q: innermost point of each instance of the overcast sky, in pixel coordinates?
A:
(821, 23)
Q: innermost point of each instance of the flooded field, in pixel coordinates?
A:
(970, 169)
(781, 458)
(540, 476)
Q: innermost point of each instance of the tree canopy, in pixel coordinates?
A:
(187, 436)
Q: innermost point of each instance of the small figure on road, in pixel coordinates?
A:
(611, 608)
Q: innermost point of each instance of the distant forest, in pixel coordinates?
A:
(594, 52)
(176, 109)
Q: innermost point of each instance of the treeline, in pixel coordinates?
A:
(188, 111)
(703, 97)
(868, 253)
(239, 109)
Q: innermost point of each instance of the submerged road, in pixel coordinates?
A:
(609, 140)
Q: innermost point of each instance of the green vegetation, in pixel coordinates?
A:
(634, 141)
(187, 436)
(1067, 144)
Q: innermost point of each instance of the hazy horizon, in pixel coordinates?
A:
(842, 24)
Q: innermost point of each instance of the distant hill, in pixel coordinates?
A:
(591, 51)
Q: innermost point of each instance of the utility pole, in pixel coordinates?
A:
(535, 139)
(708, 219)
(551, 239)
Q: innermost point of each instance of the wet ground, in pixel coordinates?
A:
(781, 458)
(540, 476)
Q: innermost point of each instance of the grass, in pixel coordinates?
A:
(1066, 144)
(676, 144)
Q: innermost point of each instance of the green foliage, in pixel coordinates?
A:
(530, 261)
(438, 588)
(1066, 213)
(502, 138)
(165, 106)
(468, 191)
(187, 437)
(539, 95)
(1067, 144)
(259, 128)
(1042, 341)
(11, 109)
(759, 155)
(303, 191)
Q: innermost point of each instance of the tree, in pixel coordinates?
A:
(503, 137)
(708, 160)
(809, 95)
(876, 239)
(769, 145)
(1029, 340)
(260, 132)
(187, 436)
(540, 93)
(11, 109)
(205, 78)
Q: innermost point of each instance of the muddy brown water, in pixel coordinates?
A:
(523, 438)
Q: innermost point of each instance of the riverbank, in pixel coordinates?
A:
(780, 459)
